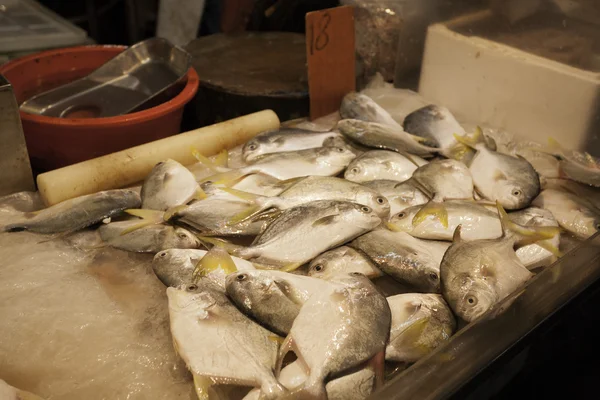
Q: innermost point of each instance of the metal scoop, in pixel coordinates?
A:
(134, 80)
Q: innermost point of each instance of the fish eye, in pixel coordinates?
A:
(160, 163)
(516, 192)
(318, 267)
(365, 209)
(598, 226)
(401, 214)
(241, 277)
(182, 235)
(380, 200)
(356, 274)
(252, 146)
(355, 170)
(162, 254)
(472, 300)
(433, 276)
(191, 288)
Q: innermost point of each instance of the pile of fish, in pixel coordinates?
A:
(274, 268)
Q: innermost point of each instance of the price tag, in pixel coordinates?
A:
(331, 58)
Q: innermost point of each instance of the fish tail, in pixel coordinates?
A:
(222, 159)
(524, 234)
(201, 386)
(545, 244)
(432, 208)
(214, 242)
(173, 212)
(240, 194)
(458, 152)
(207, 162)
(216, 258)
(149, 217)
(472, 142)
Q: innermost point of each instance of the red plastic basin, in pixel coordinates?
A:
(56, 142)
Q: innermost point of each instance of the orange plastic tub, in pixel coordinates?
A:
(56, 142)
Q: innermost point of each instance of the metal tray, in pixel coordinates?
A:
(477, 346)
(135, 79)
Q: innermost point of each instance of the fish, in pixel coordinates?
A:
(357, 384)
(272, 298)
(342, 141)
(476, 220)
(299, 234)
(344, 260)
(313, 188)
(407, 259)
(499, 177)
(381, 136)
(578, 166)
(361, 107)
(535, 255)
(150, 239)
(444, 180)
(261, 184)
(382, 164)
(478, 274)
(175, 267)
(323, 161)
(434, 123)
(420, 323)
(284, 139)
(338, 329)
(75, 214)
(573, 213)
(169, 184)
(233, 349)
(400, 195)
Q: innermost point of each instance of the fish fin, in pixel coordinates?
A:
(412, 333)
(265, 267)
(418, 139)
(240, 194)
(244, 215)
(393, 227)
(330, 219)
(222, 159)
(456, 236)
(216, 258)
(200, 194)
(290, 181)
(554, 148)
(291, 267)
(285, 347)
(228, 178)
(524, 234)
(409, 157)
(473, 141)
(458, 152)
(201, 386)
(149, 217)
(173, 212)
(433, 208)
(207, 162)
(546, 245)
(276, 338)
(499, 176)
(377, 364)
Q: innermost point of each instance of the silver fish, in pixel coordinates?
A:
(573, 213)
(323, 161)
(478, 274)
(361, 107)
(382, 164)
(78, 213)
(301, 233)
(342, 141)
(174, 267)
(233, 349)
(273, 298)
(355, 385)
(313, 188)
(409, 260)
(400, 195)
(499, 177)
(380, 136)
(439, 222)
(443, 180)
(420, 323)
(169, 184)
(149, 239)
(533, 255)
(261, 184)
(285, 139)
(343, 259)
(359, 311)
(436, 124)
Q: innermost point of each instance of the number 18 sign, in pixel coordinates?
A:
(330, 56)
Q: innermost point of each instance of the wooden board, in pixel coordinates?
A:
(331, 58)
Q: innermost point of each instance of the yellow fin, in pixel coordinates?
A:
(528, 234)
(221, 159)
(173, 211)
(393, 227)
(228, 178)
(413, 333)
(243, 215)
(201, 385)
(149, 217)
(456, 235)
(207, 162)
(229, 247)
(328, 220)
(459, 152)
(277, 339)
(216, 258)
(200, 194)
(240, 194)
(291, 267)
(435, 209)
(546, 245)
(470, 141)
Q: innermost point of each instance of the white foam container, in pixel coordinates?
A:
(501, 86)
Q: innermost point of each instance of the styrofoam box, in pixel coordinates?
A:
(506, 88)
